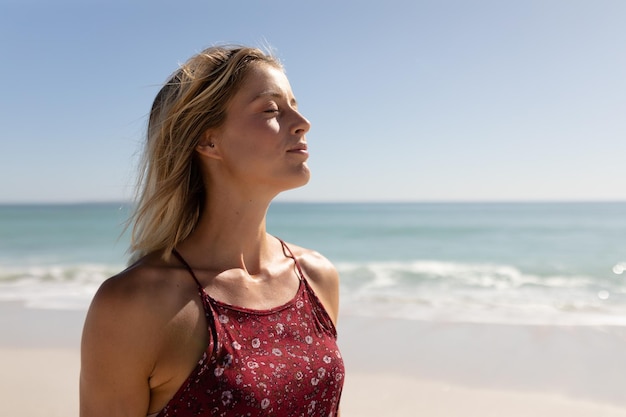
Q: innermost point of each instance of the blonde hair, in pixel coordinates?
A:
(171, 192)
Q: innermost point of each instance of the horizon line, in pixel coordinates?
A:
(322, 201)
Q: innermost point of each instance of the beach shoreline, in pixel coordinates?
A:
(394, 367)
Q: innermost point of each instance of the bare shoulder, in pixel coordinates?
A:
(126, 312)
(322, 276)
(124, 332)
(143, 290)
(317, 267)
(137, 304)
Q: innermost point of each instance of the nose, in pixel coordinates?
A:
(301, 124)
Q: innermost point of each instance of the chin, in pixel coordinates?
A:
(306, 175)
(301, 183)
(300, 179)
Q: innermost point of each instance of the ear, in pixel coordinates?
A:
(208, 145)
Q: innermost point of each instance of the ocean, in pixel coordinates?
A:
(512, 263)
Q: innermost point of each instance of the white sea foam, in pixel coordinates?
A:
(53, 286)
(451, 291)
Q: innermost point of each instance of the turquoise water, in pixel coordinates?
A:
(509, 262)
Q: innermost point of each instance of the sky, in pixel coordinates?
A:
(410, 100)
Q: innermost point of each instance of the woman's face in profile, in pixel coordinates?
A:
(262, 140)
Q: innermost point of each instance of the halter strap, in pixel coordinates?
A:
(189, 268)
(206, 304)
(289, 254)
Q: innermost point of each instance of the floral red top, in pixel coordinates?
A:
(278, 362)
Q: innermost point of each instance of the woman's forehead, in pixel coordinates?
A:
(265, 81)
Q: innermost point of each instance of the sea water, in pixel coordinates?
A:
(530, 263)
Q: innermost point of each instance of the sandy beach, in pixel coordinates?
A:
(394, 367)
(410, 368)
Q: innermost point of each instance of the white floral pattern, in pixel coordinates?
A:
(278, 362)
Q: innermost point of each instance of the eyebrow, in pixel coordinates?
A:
(274, 94)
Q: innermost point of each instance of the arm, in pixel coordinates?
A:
(117, 356)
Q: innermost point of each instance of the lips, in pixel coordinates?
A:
(300, 147)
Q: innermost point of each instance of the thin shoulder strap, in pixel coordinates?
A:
(205, 299)
(184, 262)
(289, 254)
(319, 311)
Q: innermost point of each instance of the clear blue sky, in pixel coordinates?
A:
(409, 100)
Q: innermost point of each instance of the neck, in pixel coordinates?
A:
(231, 233)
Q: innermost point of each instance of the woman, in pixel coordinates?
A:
(216, 317)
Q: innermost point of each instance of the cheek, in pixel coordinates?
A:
(263, 139)
(244, 151)
(254, 139)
